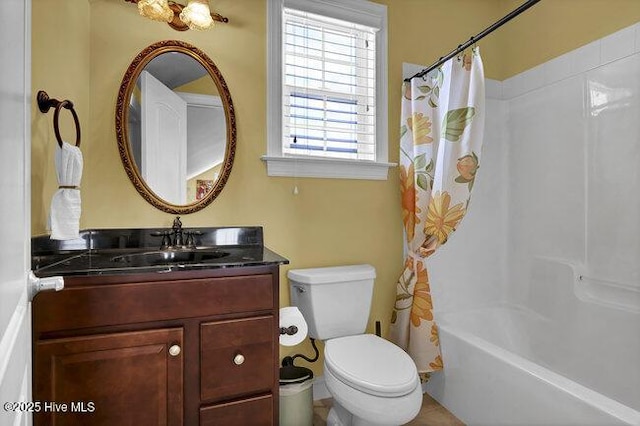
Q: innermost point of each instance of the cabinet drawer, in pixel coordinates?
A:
(255, 412)
(237, 357)
(104, 305)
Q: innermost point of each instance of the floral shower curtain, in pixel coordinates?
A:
(442, 125)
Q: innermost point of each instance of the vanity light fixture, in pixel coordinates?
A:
(157, 10)
(195, 15)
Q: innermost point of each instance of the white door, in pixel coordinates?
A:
(15, 220)
(164, 140)
(206, 132)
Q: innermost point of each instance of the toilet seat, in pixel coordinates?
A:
(371, 365)
(371, 410)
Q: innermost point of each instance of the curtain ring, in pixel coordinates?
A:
(68, 105)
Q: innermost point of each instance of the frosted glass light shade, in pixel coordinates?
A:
(158, 10)
(197, 15)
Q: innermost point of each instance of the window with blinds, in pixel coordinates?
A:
(329, 86)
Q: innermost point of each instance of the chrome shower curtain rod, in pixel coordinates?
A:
(476, 38)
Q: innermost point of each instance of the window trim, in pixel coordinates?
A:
(359, 11)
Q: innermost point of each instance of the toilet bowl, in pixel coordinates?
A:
(372, 381)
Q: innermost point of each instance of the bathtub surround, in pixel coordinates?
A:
(544, 327)
(442, 126)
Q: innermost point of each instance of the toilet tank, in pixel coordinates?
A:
(335, 301)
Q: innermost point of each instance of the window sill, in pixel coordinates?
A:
(326, 168)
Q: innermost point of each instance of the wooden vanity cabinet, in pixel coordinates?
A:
(179, 348)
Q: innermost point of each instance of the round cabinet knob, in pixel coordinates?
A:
(238, 359)
(174, 350)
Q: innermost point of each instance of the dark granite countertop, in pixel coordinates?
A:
(126, 251)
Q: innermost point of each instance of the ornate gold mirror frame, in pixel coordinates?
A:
(122, 111)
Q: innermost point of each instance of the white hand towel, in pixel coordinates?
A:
(65, 205)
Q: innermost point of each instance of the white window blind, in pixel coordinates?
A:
(329, 86)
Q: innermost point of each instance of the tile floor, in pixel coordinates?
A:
(430, 414)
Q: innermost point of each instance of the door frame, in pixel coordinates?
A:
(15, 334)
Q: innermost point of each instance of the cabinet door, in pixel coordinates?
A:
(237, 357)
(111, 379)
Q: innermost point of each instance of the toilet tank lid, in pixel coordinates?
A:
(332, 274)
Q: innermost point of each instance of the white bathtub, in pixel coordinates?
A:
(510, 365)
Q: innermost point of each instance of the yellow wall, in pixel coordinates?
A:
(60, 67)
(553, 27)
(203, 85)
(548, 29)
(420, 31)
(330, 221)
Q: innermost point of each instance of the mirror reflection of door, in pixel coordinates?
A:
(163, 155)
(206, 141)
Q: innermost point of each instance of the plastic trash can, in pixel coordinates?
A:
(296, 396)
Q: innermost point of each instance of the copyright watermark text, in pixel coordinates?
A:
(50, 406)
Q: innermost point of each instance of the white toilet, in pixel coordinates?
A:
(372, 381)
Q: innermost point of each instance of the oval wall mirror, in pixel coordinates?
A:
(176, 128)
